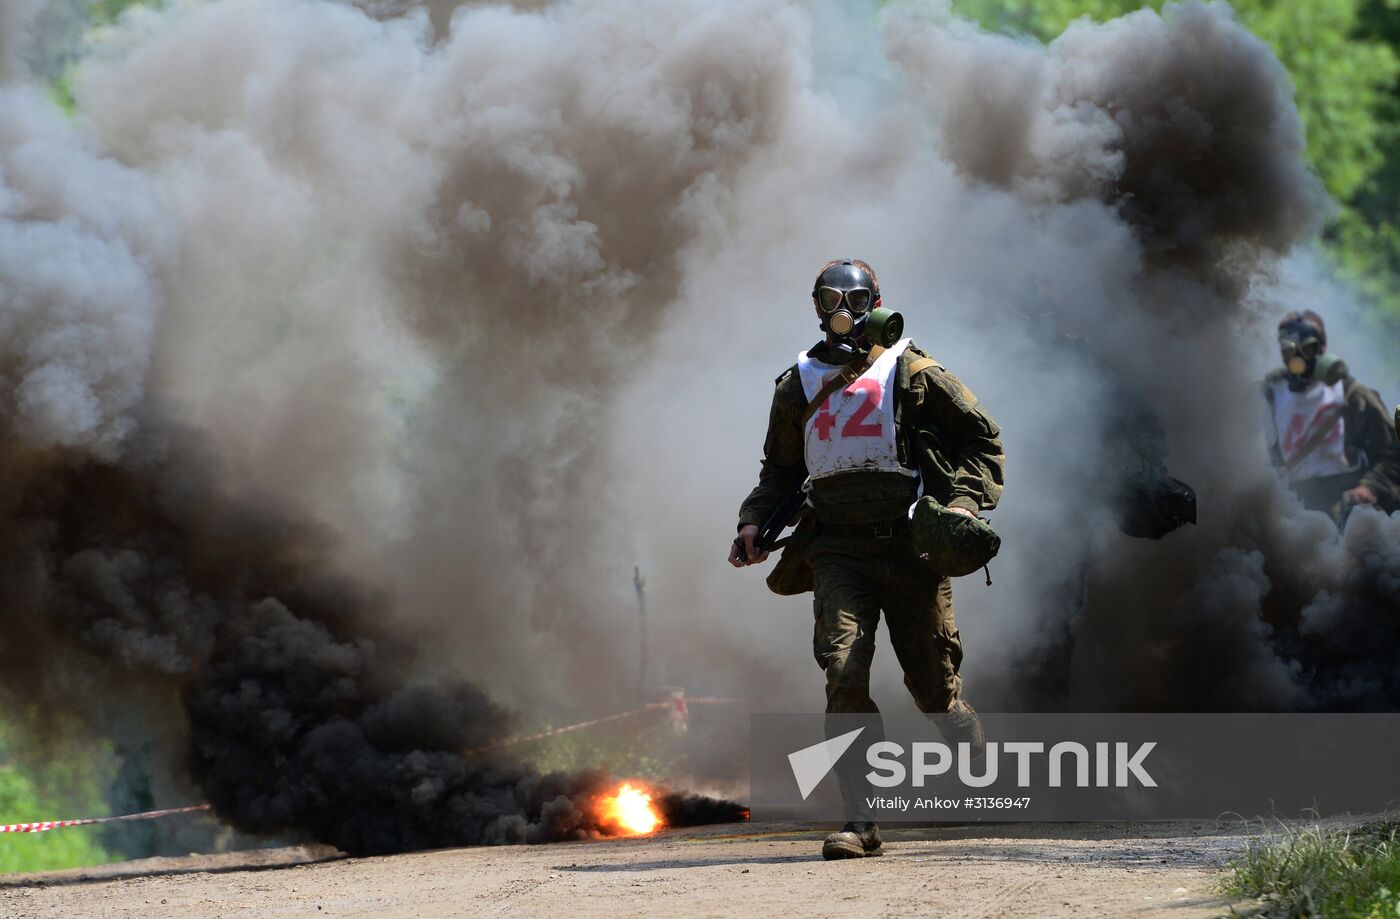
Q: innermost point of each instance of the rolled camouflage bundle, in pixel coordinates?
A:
(954, 543)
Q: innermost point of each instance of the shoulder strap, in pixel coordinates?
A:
(921, 364)
(907, 441)
(842, 379)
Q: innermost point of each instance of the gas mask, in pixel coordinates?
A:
(847, 302)
(1301, 345)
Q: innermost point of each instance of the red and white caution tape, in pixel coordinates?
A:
(57, 824)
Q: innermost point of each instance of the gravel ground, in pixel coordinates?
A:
(1094, 869)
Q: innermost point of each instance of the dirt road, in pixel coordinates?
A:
(1166, 869)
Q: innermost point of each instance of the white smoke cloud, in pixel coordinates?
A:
(16, 20)
(82, 239)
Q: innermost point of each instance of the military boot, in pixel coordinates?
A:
(856, 840)
(961, 724)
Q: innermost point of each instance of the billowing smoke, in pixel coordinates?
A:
(16, 21)
(81, 243)
(432, 264)
(1183, 124)
(39, 38)
(1185, 127)
(482, 305)
(476, 238)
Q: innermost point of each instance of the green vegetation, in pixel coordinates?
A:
(105, 12)
(67, 787)
(99, 13)
(1344, 58)
(1351, 872)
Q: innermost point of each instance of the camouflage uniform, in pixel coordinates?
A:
(861, 558)
(1369, 439)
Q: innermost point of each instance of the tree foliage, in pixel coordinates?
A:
(105, 12)
(65, 784)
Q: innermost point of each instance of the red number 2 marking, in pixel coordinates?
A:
(855, 426)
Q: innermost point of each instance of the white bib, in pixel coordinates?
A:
(1299, 417)
(854, 430)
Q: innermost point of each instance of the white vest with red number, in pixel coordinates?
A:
(854, 430)
(1297, 416)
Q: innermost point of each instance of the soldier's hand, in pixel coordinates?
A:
(964, 511)
(1360, 495)
(747, 535)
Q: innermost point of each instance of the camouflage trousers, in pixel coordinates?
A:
(854, 580)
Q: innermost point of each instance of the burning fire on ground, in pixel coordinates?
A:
(628, 811)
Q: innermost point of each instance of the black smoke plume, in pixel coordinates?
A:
(302, 719)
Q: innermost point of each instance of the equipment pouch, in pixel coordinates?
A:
(792, 575)
(955, 544)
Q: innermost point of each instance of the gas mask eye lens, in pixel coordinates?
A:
(831, 298)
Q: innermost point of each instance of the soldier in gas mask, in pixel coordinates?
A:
(870, 423)
(1329, 432)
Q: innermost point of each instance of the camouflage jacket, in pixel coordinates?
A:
(1367, 432)
(938, 402)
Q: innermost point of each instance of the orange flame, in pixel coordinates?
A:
(628, 810)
